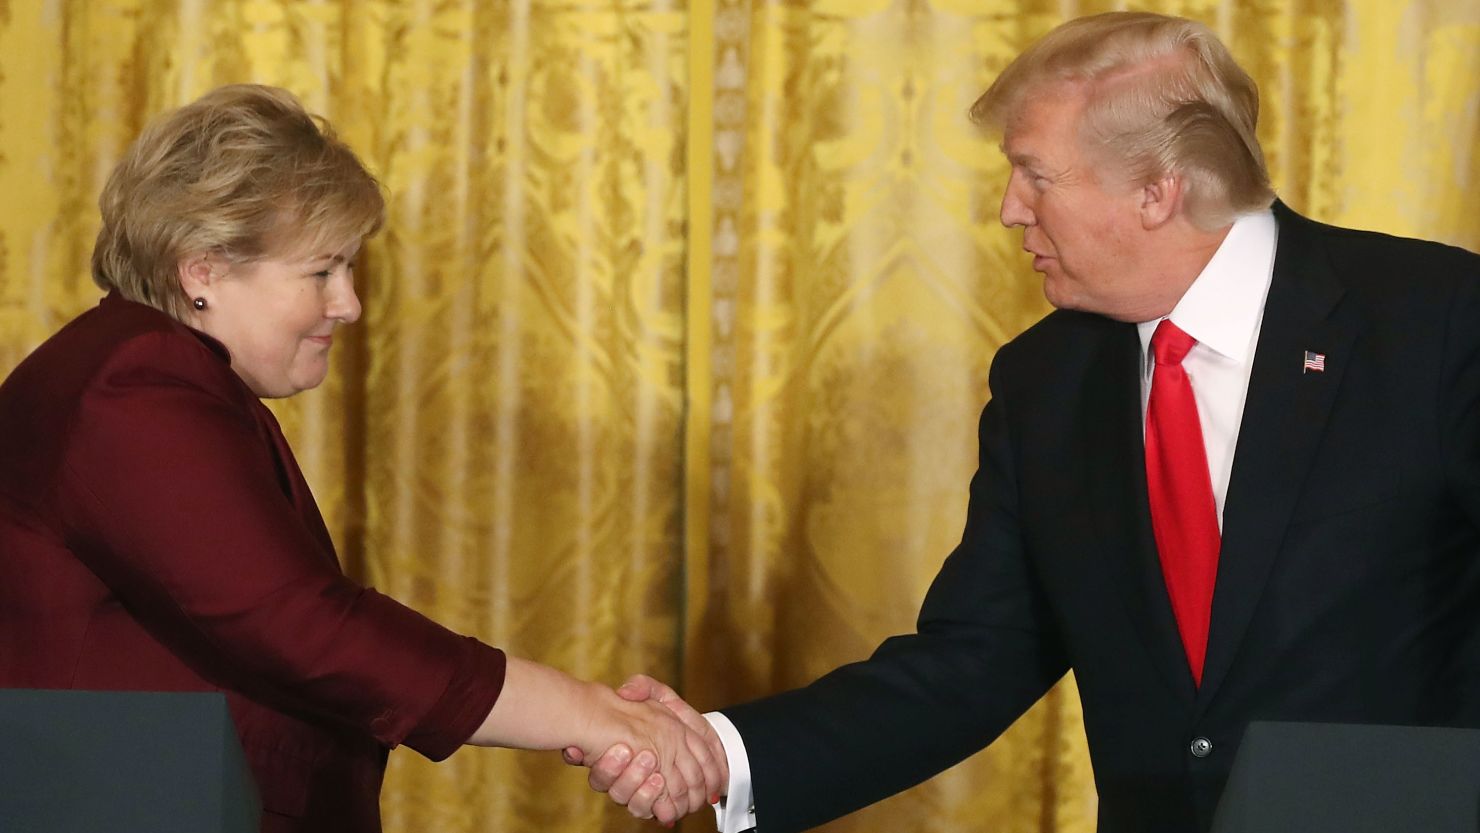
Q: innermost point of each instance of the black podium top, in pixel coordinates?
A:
(122, 762)
(1318, 777)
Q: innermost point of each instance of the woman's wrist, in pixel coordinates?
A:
(543, 708)
(597, 725)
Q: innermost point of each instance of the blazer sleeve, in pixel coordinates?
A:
(166, 493)
(985, 649)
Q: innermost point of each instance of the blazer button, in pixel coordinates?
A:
(1201, 747)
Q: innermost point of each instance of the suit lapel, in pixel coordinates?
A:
(1285, 414)
(1112, 438)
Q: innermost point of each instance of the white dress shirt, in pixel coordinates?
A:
(1223, 311)
(735, 812)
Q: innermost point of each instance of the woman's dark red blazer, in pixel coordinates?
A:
(156, 534)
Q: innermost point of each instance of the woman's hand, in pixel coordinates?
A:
(628, 781)
(675, 771)
(542, 708)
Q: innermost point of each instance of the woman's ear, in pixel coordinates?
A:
(198, 274)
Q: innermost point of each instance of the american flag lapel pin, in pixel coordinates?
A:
(1314, 362)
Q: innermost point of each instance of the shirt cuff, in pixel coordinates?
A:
(735, 812)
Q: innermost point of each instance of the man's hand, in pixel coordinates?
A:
(631, 781)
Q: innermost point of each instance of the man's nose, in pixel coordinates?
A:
(1015, 211)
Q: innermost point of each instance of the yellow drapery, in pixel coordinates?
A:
(676, 338)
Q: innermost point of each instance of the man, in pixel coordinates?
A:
(1235, 476)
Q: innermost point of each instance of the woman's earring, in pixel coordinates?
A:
(199, 303)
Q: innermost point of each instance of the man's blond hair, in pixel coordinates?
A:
(242, 173)
(1164, 96)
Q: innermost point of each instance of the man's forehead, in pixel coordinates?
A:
(1024, 141)
(1017, 155)
(1049, 114)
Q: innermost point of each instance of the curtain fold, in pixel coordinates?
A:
(677, 334)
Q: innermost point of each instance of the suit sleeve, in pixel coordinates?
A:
(985, 650)
(170, 499)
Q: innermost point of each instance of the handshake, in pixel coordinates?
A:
(658, 757)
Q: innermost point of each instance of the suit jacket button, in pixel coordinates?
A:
(1201, 747)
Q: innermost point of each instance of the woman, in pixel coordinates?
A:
(156, 533)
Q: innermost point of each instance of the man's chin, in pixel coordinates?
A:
(1054, 291)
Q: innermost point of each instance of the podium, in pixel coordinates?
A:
(122, 762)
(1320, 777)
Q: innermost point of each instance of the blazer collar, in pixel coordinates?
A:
(116, 302)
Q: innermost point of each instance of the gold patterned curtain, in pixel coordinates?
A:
(677, 335)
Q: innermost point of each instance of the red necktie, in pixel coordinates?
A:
(1183, 516)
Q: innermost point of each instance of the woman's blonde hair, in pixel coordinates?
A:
(1164, 96)
(241, 173)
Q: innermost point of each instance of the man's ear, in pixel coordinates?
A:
(1161, 201)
